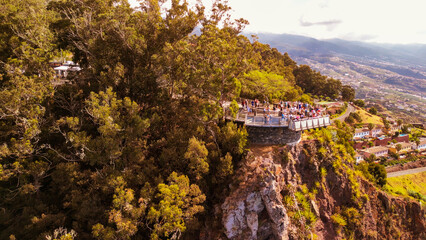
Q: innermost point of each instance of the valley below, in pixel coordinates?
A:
(390, 77)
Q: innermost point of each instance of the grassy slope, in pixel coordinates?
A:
(402, 184)
(418, 131)
(369, 118)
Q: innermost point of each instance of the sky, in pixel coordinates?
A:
(384, 21)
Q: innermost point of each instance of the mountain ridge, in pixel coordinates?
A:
(412, 54)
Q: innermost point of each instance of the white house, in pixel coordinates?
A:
(378, 151)
(421, 146)
(359, 158)
(376, 132)
(63, 70)
(361, 133)
(405, 147)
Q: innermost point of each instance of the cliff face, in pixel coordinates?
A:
(306, 192)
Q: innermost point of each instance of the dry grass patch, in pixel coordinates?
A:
(411, 185)
(368, 117)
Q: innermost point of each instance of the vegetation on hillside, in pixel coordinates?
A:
(134, 145)
(368, 117)
(412, 186)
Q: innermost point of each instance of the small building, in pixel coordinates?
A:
(378, 151)
(359, 158)
(376, 132)
(361, 133)
(405, 147)
(421, 146)
(63, 70)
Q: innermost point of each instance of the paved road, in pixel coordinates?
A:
(405, 172)
(346, 114)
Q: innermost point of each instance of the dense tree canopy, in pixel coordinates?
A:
(313, 82)
(268, 86)
(348, 93)
(134, 145)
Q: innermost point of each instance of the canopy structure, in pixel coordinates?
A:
(63, 70)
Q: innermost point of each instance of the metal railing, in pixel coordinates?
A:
(273, 120)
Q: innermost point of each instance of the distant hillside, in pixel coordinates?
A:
(413, 55)
(395, 64)
(392, 75)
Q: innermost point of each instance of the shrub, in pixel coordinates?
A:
(234, 108)
(338, 220)
(416, 195)
(378, 171)
(373, 110)
(359, 103)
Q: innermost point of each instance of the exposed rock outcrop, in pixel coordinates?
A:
(267, 200)
(241, 210)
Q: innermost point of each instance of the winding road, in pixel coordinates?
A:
(346, 114)
(405, 172)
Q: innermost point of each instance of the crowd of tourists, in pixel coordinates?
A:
(286, 110)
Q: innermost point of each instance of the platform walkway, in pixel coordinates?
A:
(250, 119)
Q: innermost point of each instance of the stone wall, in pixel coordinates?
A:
(272, 135)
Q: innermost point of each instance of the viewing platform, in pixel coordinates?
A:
(249, 119)
(270, 128)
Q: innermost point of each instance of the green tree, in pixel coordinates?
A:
(350, 119)
(310, 81)
(124, 215)
(219, 56)
(373, 110)
(404, 129)
(233, 140)
(25, 86)
(197, 158)
(272, 61)
(348, 93)
(289, 62)
(313, 82)
(372, 157)
(356, 116)
(378, 171)
(359, 102)
(61, 234)
(224, 168)
(398, 147)
(268, 86)
(178, 203)
(332, 88)
(306, 99)
(234, 107)
(370, 126)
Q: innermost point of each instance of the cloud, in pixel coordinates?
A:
(330, 24)
(362, 20)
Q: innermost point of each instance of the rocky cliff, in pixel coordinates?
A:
(310, 191)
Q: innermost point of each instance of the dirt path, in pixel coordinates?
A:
(405, 172)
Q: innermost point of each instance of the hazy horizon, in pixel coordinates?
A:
(379, 21)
